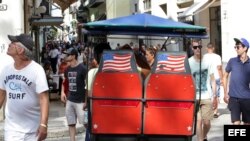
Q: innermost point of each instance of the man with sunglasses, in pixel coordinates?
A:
(203, 74)
(238, 95)
(75, 101)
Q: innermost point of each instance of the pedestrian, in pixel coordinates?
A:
(141, 61)
(203, 75)
(54, 54)
(76, 100)
(61, 69)
(117, 46)
(218, 75)
(48, 72)
(237, 94)
(98, 50)
(26, 95)
(150, 56)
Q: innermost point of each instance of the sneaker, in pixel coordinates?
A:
(205, 140)
(216, 115)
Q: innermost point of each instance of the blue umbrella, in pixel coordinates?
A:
(145, 24)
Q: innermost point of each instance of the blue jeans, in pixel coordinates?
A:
(87, 135)
(218, 87)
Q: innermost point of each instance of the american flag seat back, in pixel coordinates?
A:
(117, 92)
(115, 61)
(170, 96)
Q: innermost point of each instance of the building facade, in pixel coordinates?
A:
(11, 23)
(25, 16)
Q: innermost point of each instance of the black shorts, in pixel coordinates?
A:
(239, 107)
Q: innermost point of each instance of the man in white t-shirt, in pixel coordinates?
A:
(54, 54)
(24, 86)
(204, 78)
(215, 60)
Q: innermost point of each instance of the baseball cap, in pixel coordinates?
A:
(71, 51)
(25, 39)
(242, 41)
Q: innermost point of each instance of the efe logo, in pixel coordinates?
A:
(236, 132)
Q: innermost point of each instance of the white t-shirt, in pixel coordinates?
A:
(91, 76)
(206, 71)
(22, 100)
(215, 61)
(54, 53)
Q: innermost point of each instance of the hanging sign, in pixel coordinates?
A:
(3, 7)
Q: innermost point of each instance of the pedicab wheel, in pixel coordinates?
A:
(93, 137)
(189, 138)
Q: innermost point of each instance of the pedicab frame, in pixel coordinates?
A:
(145, 25)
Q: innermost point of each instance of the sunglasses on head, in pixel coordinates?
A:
(195, 47)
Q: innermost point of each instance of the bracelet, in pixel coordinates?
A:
(43, 125)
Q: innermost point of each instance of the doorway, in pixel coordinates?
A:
(215, 28)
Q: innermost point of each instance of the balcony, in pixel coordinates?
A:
(45, 21)
(95, 3)
(184, 3)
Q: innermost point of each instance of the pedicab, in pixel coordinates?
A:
(123, 106)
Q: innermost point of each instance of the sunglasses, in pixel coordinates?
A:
(195, 47)
(237, 47)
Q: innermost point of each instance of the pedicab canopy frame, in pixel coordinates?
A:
(147, 25)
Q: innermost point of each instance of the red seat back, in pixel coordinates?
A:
(170, 96)
(117, 91)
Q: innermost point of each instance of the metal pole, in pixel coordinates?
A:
(37, 45)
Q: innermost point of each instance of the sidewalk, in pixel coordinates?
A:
(216, 132)
(57, 125)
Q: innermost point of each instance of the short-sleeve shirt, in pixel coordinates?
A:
(22, 88)
(215, 61)
(76, 78)
(91, 76)
(239, 78)
(206, 70)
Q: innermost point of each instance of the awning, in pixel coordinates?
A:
(196, 8)
(47, 21)
(64, 4)
(145, 24)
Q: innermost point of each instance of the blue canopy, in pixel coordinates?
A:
(145, 24)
